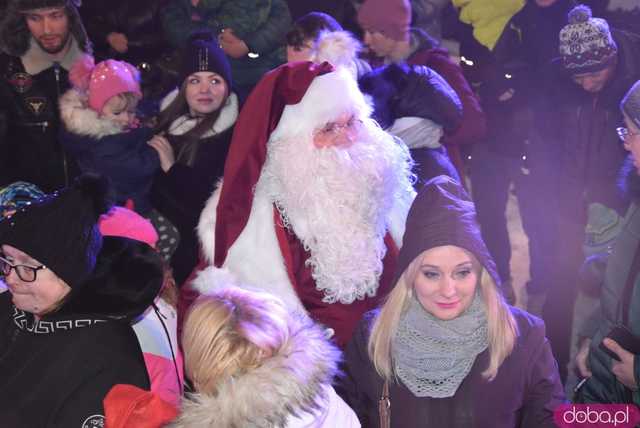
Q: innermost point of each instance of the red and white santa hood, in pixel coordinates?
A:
(237, 227)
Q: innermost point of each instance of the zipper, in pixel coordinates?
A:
(65, 167)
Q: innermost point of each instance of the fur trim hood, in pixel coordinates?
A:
(15, 37)
(79, 119)
(291, 383)
(339, 48)
(184, 124)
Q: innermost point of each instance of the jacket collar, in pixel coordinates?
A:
(184, 124)
(36, 60)
(26, 322)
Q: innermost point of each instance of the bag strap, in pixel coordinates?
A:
(384, 406)
(629, 285)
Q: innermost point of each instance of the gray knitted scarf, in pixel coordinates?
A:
(431, 356)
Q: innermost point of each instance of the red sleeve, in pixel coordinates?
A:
(473, 126)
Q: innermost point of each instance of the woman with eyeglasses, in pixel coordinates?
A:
(65, 337)
(607, 360)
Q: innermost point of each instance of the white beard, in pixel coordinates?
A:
(337, 201)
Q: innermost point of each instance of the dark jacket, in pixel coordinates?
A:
(418, 91)
(55, 372)
(180, 193)
(29, 121)
(139, 21)
(98, 146)
(576, 130)
(524, 393)
(603, 387)
(472, 127)
(261, 25)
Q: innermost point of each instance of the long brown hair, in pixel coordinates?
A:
(187, 149)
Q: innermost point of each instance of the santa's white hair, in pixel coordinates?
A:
(337, 200)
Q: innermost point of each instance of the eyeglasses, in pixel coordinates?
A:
(25, 273)
(624, 134)
(334, 129)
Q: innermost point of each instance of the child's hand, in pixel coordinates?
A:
(231, 44)
(165, 151)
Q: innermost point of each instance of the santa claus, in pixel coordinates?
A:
(314, 199)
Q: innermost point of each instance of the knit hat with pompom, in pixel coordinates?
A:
(586, 45)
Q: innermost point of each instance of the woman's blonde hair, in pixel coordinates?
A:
(502, 327)
(229, 332)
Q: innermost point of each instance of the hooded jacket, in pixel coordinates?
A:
(290, 389)
(100, 146)
(602, 386)
(56, 371)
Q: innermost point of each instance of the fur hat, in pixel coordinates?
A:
(103, 81)
(60, 230)
(630, 104)
(389, 17)
(204, 54)
(586, 44)
(15, 36)
(443, 214)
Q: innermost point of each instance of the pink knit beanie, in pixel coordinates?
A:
(105, 80)
(120, 221)
(390, 17)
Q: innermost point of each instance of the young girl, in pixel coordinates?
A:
(101, 132)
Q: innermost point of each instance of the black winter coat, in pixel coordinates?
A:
(56, 372)
(181, 193)
(577, 130)
(29, 121)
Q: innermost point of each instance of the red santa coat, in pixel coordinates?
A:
(269, 257)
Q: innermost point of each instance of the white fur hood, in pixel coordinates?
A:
(79, 119)
(184, 124)
(293, 382)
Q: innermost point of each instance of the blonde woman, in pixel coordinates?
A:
(255, 365)
(445, 350)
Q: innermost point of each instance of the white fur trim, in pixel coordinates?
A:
(295, 379)
(328, 97)
(184, 124)
(79, 119)
(339, 48)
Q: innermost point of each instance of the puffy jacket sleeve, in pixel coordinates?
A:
(242, 16)
(178, 24)
(473, 125)
(271, 35)
(544, 391)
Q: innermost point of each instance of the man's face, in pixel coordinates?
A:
(49, 27)
(380, 44)
(594, 82)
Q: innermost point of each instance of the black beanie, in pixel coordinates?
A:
(202, 53)
(60, 230)
(443, 214)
